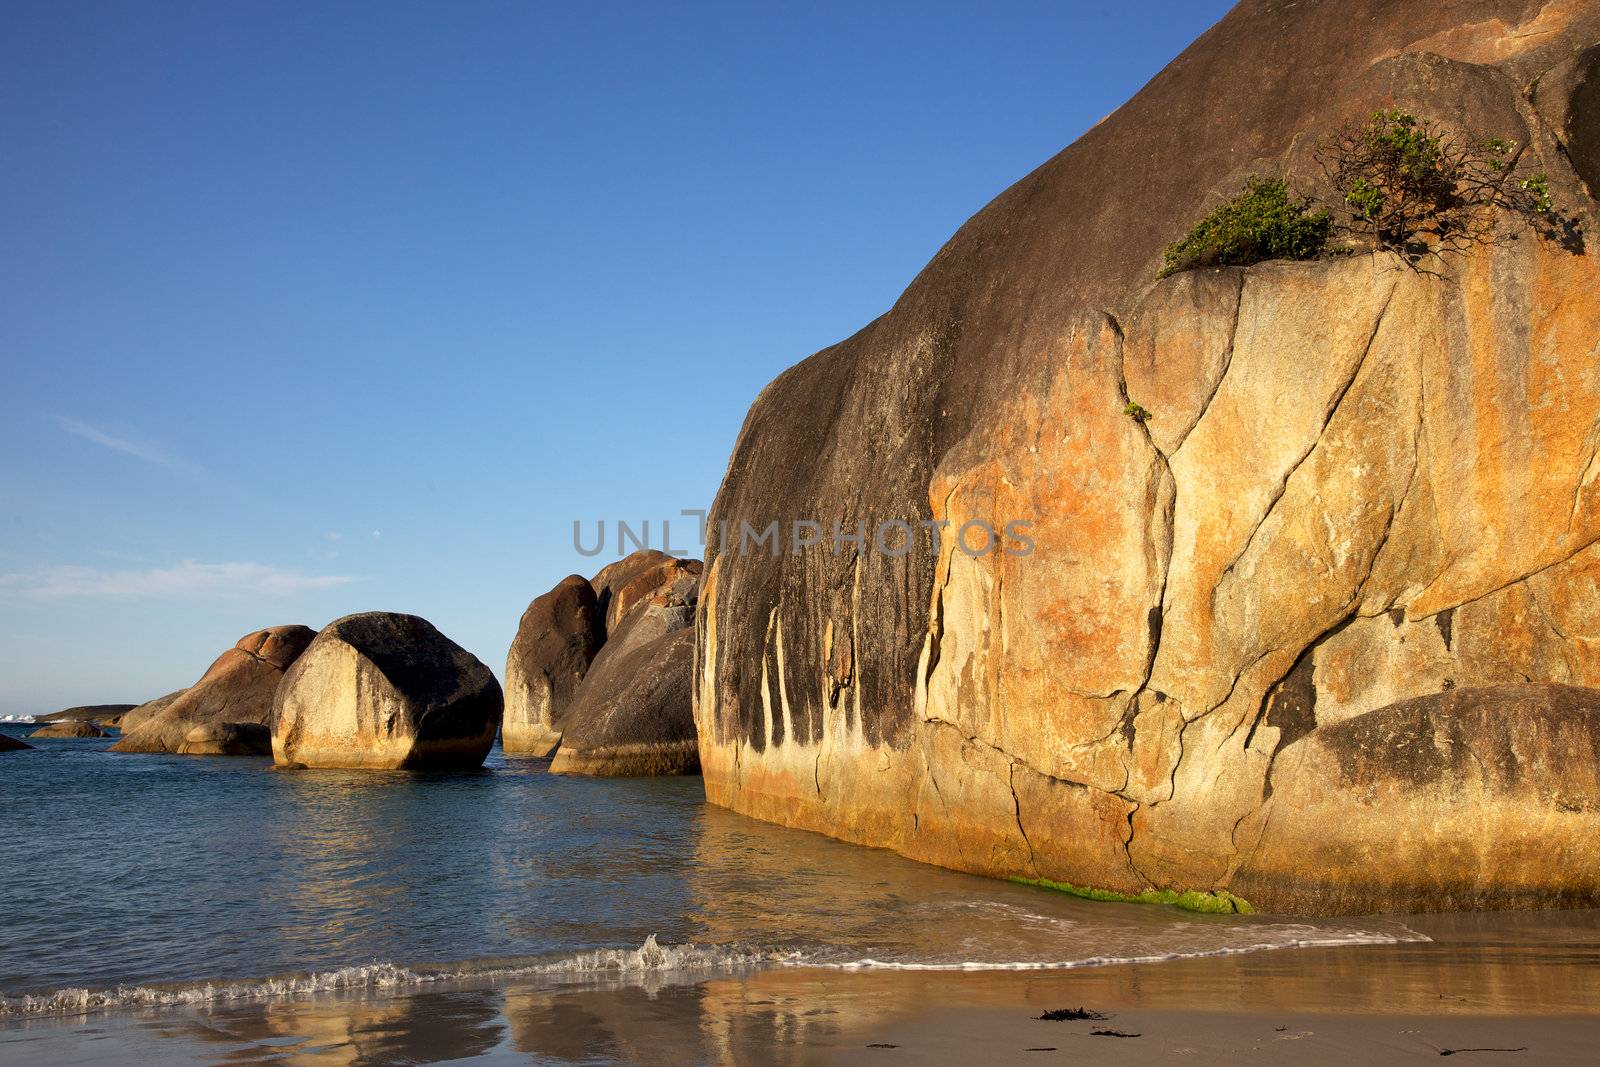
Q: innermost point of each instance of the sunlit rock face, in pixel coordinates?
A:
(386, 691)
(1358, 486)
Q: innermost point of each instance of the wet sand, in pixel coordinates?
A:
(1514, 989)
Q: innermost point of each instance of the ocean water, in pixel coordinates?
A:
(179, 910)
(133, 880)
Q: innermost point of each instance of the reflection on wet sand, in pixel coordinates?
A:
(419, 1028)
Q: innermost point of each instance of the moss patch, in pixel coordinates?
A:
(1217, 902)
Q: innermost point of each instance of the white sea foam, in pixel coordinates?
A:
(1328, 940)
(649, 958)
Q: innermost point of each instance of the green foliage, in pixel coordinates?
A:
(1220, 901)
(1417, 189)
(1136, 412)
(1399, 184)
(1263, 222)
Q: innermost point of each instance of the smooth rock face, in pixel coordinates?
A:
(382, 690)
(228, 739)
(131, 720)
(238, 687)
(69, 728)
(633, 715)
(557, 639)
(1358, 485)
(11, 744)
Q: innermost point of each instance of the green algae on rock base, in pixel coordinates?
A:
(1216, 902)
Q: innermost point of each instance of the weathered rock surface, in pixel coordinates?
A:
(634, 715)
(99, 713)
(557, 639)
(637, 577)
(237, 687)
(383, 690)
(73, 728)
(227, 739)
(12, 744)
(1359, 485)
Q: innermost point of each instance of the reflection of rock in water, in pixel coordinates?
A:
(333, 1032)
(628, 1024)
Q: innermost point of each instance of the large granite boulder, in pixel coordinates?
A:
(556, 640)
(68, 728)
(12, 744)
(227, 739)
(382, 690)
(633, 715)
(237, 687)
(1357, 485)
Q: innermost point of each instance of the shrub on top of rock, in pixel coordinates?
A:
(1416, 188)
(1262, 222)
(1398, 183)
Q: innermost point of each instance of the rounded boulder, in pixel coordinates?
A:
(237, 687)
(382, 690)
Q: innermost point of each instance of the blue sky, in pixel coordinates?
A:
(313, 309)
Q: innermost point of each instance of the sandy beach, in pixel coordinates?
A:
(1518, 988)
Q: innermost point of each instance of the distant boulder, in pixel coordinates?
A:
(238, 687)
(383, 690)
(633, 715)
(68, 728)
(558, 637)
(568, 631)
(100, 713)
(12, 744)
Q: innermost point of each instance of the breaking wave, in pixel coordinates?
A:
(649, 958)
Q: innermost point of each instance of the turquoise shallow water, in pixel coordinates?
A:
(134, 880)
